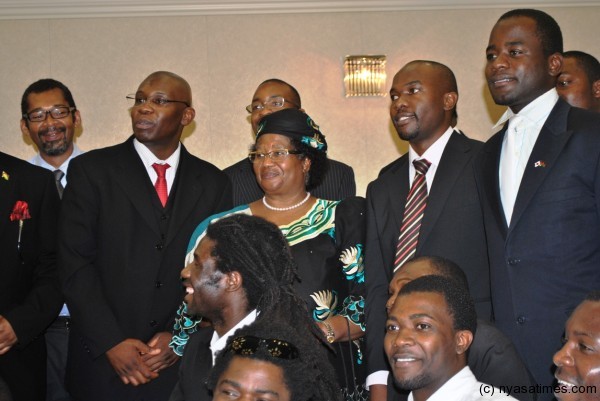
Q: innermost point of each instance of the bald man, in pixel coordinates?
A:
(127, 215)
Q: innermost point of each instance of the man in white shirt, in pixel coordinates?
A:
(50, 118)
(539, 181)
(428, 332)
(126, 218)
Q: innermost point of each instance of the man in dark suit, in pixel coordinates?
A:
(579, 80)
(122, 242)
(539, 180)
(272, 95)
(30, 296)
(424, 96)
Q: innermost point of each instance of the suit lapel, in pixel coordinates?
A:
(456, 154)
(397, 193)
(490, 180)
(131, 175)
(552, 139)
(188, 194)
(7, 189)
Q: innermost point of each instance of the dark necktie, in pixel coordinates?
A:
(58, 175)
(161, 182)
(416, 202)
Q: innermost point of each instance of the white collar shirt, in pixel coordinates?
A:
(218, 343)
(149, 159)
(529, 122)
(463, 386)
(433, 155)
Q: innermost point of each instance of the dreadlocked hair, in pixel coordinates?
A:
(258, 250)
(308, 376)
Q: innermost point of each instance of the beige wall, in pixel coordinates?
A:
(225, 57)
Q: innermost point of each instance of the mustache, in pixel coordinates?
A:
(46, 130)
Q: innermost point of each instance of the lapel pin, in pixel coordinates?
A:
(5, 175)
(539, 163)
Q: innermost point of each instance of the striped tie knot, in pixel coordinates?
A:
(421, 166)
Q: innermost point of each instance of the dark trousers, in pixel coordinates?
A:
(24, 371)
(57, 344)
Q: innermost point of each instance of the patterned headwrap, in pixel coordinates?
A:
(294, 124)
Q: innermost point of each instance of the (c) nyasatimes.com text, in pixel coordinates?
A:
(487, 389)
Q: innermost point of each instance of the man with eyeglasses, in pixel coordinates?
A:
(272, 95)
(127, 215)
(50, 118)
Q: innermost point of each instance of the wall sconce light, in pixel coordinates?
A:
(364, 76)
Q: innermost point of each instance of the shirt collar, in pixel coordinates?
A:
(218, 343)
(38, 160)
(434, 153)
(536, 112)
(148, 158)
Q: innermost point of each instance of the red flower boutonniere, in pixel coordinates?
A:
(20, 212)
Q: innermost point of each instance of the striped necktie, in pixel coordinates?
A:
(416, 202)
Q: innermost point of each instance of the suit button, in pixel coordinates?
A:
(159, 247)
(164, 217)
(521, 320)
(153, 323)
(158, 284)
(513, 261)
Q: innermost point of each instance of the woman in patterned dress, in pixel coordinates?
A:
(326, 237)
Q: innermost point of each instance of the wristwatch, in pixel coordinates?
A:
(330, 336)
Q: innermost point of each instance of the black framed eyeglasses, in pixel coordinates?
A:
(156, 100)
(249, 345)
(40, 115)
(272, 103)
(275, 155)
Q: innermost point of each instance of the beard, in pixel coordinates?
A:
(413, 383)
(54, 148)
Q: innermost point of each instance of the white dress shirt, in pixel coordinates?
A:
(514, 157)
(38, 161)
(463, 386)
(218, 343)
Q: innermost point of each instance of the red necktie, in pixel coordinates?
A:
(161, 182)
(416, 201)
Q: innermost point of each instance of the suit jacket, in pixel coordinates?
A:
(195, 366)
(120, 256)
(548, 259)
(338, 183)
(452, 227)
(30, 296)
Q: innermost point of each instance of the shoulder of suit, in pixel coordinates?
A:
(393, 167)
(334, 164)
(11, 164)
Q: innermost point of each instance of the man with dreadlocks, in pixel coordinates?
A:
(241, 271)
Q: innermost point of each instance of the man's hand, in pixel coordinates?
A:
(8, 338)
(377, 392)
(126, 359)
(162, 356)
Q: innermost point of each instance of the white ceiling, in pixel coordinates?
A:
(33, 9)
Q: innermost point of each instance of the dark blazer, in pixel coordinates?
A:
(195, 366)
(338, 183)
(548, 259)
(120, 256)
(30, 297)
(452, 227)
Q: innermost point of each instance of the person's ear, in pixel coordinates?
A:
(450, 100)
(76, 119)
(596, 89)
(233, 281)
(188, 116)
(306, 163)
(555, 64)
(25, 127)
(463, 340)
